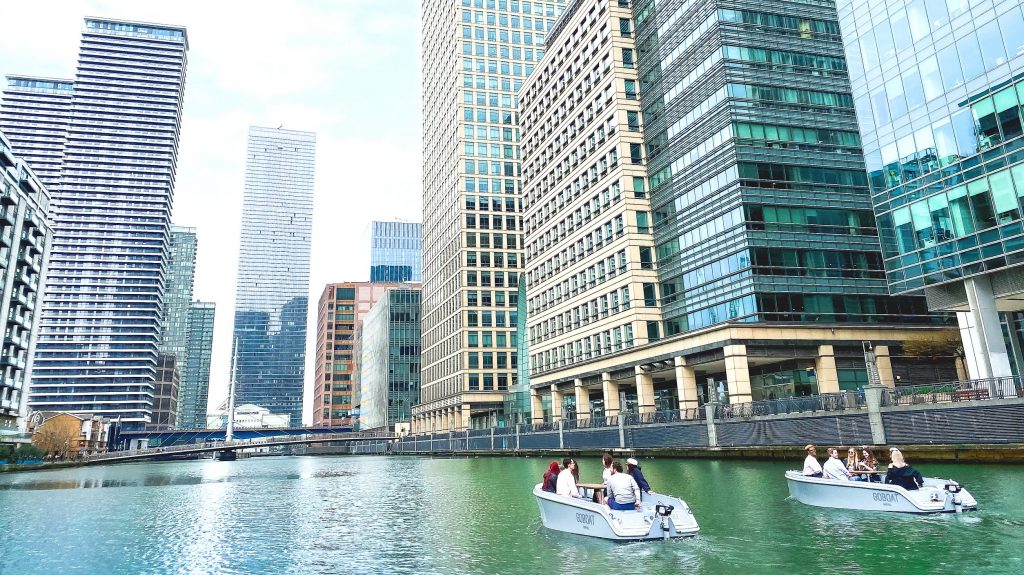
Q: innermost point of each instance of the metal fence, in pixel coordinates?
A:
(832, 418)
(954, 391)
(826, 402)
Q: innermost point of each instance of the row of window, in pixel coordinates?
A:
(600, 202)
(568, 163)
(484, 279)
(486, 240)
(579, 282)
(492, 259)
(598, 308)
(490, 360)
(608, 341)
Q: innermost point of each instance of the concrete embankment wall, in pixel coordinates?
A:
(976, 431)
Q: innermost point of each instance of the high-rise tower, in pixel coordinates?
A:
(194, 390)
(476, 55)
(272, 289)
(396, 252)
(106, 145)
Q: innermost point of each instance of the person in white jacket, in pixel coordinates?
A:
(566, 482)
(834, 468)
(811, 466)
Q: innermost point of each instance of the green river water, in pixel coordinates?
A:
(311, 515)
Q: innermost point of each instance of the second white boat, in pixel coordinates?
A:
(935, 496)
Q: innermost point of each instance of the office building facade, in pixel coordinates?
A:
(700, 228)
(390, 358)
(939, 98)
(25, 239)
(108, 143)
(396, 252)
(166, 393)
(194, 391)
(340, 313)
(475, 59)
(272, 290)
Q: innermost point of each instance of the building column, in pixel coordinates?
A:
(736, 373)
(582, 399)
(466, 419)
(825, 370)
(644, 391)
(884, 364)
(536, 407)
(611, 395)
(686, 384)
(556, 403)
(981, 332)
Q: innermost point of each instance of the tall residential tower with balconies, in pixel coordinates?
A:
(107, 145)
(25, 239)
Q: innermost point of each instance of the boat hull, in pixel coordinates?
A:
(584, 517)
(936, 496)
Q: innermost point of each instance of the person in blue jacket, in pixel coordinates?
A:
(634, 470)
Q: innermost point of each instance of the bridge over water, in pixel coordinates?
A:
(220, 446)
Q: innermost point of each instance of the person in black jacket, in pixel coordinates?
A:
(638, 476)
(899, 473)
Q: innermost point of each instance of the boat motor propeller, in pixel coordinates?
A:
(954, 488)
(664, 511)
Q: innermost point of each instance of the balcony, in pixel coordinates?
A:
(6, 156)
(13, 361)
(7, 196)
(7, 237)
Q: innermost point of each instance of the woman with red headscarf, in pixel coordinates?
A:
(551, 477)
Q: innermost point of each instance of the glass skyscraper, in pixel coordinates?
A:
(194, 390)
(178, 284)
(107, 147)
(390, 364)
(476, 54)
(939, 96)
(272, 290)
(760, 202)
(396, 252)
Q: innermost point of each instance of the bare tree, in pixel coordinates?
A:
(55, 440)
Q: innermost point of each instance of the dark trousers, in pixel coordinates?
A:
(621, 506)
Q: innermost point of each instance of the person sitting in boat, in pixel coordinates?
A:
(606, 461)
(868, 463)
(551, 478)
(811, 466)
(834, 468)
(633, 467)
(899, 473)
(853, 464)
(566, 482)
(623, 492)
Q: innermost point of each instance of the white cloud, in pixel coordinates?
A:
(347, 69)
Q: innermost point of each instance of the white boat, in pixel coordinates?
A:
(659, 517)
(936, 496)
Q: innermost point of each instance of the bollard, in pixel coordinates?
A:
(873, 397)
(709, 410)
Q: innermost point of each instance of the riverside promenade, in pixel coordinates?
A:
(979, 421)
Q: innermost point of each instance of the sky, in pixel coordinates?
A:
(345, 69)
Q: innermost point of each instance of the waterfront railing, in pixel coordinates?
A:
(955, 391)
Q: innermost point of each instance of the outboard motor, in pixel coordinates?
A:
(954, 488)
(664, 511)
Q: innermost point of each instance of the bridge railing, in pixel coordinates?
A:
(241, 444)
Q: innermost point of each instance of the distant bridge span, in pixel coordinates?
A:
(232, 446)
